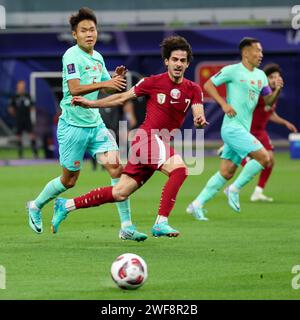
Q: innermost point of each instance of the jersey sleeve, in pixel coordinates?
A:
(71, 66)
(223, 76)
(198, 95)
(266, 90)
(143, 87)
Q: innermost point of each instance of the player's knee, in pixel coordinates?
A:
(227, 173)
(120, 193)
(265, 160)
(70, 182)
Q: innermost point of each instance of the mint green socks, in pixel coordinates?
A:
(214, 184)
(123, 208)
(51, 191)
(251, 168)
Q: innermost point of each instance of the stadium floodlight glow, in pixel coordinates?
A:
(2, 18)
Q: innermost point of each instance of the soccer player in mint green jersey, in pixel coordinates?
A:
(244, 84)
(82, 130)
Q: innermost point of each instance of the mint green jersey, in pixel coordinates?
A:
(77, 64)
(243, 88)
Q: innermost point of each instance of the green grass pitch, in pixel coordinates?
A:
(232, 256)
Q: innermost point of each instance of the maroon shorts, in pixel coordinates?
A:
(263, 137)
(148, 153)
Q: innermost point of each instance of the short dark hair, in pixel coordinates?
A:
(173, 43)
(83, 14)
(247, 42)
(271, 68)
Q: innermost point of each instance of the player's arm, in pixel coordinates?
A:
(271, 98)
(213, 92)
(199, 116)
(279, 120)
(119, 71)
(11, 109)
(114, 100)
(117, 83)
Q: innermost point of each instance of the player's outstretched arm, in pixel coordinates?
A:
(114, 100)
(277, 119)
(213, 92)
(118, 83)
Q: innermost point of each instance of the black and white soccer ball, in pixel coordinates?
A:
(129, 271)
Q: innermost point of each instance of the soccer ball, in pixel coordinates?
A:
(129, 271)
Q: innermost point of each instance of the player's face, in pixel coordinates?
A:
(177, 64)
(86, 35)
(273, 77)
(21, 87)
(255, 54)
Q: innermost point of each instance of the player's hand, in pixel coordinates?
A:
(228, 109)
(82, 102)
(291, 127)
(279, 83)
(200, 122)
(120, 71)
(117, 83)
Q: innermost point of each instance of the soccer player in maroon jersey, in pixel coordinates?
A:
(169, 96)
(261, 116)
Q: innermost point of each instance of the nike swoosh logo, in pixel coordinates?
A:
(172, 102)
(37, 228)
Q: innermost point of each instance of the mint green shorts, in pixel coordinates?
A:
(238, 143)
(75, 141)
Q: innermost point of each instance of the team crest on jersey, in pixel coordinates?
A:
(259, 83)
(99, 67)
(175, 93)
(161, 98)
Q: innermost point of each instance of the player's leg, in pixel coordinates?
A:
(229, 164)
(177, 172)
(242, 143)
(96, 197)
(260, 159)
(19, 139)
(111, 162)
(33, 144)
(72, 145)
(106, 152)
(266, 172)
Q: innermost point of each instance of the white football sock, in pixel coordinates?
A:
(70, 205)
(161, 219)
(258, 190)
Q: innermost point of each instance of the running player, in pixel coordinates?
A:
(169, 96)
(264, 113)
(244, 83)
(80, 130)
